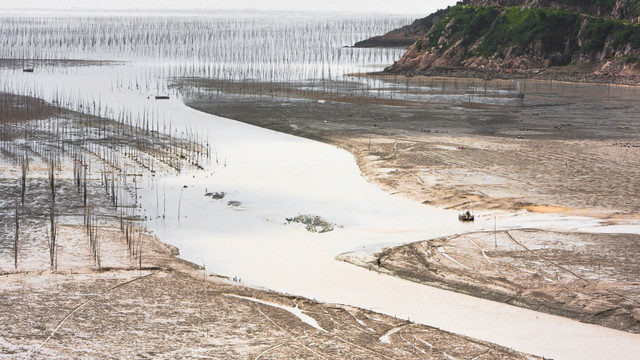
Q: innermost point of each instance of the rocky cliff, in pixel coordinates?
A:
(528, 36)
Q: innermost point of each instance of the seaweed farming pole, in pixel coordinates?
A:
(23, 179)
(52, 242)
(15, 242)
(179, 203)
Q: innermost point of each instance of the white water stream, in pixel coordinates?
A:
(276, 176)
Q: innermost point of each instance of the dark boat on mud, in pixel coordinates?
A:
(466, 216)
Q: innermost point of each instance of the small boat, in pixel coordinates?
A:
(466, 216)
(27, 70)
(162, 97)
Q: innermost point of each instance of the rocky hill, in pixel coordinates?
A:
(533, 35)
(616, 9)
(408, 34)
(405, 36)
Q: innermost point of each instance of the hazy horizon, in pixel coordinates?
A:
(406, 7)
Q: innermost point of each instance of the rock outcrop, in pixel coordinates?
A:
(408, 34)
(529, 36)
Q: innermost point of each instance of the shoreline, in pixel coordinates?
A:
(570, 74)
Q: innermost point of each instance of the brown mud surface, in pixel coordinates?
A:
(488, 145)
(450, 143)
(165, 313)
(114, 291)
(589, 277)
(603, 73)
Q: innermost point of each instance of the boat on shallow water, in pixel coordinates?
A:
(466, 216)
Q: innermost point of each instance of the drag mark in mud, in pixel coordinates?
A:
(481, 250)
(286, 332)
(444, 253)
(385, 338)
(294, 311)
(266, 351)
(359, 321)
(547, 260)
(363, 348)
(572, 273)
(77, 308)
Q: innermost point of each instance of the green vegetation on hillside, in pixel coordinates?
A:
(518, 28)
(606, 5)
(469, 23)
(541, 31)
(621, 34)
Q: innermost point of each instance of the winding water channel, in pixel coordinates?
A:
(274, 176)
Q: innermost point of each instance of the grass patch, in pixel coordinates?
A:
(468, 23)
(631, 59)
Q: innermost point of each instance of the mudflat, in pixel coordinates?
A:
(81, 277)
(493, 146)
